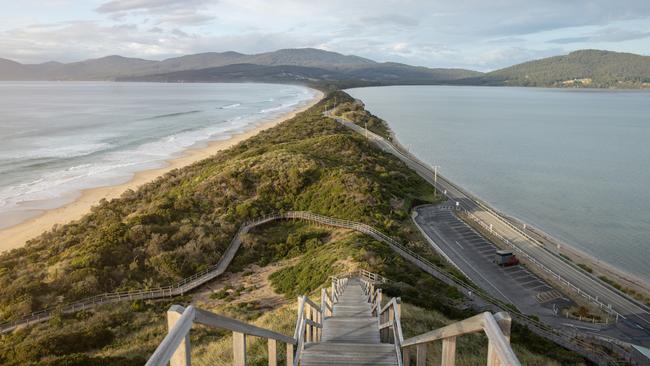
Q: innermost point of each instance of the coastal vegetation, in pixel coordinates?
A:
(630, 291)
(579, 69)
(355, 112)
(181, 223)
(427, 303)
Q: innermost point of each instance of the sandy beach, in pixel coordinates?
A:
(16, 236)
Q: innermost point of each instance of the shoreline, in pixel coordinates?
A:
(16, 236)
(572, 253)
(568, 252)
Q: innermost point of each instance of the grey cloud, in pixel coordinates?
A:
(128, 5)
(390, 19)
(606, 35)
(185, 17)
(176, 12)
(179, 33)
(501, 57)
(91, 40)
(440, 33)
(515, 17)
(506, 40)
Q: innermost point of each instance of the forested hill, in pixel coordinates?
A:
(585, 68)
(301, 65)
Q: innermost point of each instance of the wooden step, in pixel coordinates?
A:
(362, 310)
(350, 335)
(351, 330)
(316, 354)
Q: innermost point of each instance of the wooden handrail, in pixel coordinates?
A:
(174, 348)
(496, 327)
(172, 345)
(311, 303)
(219, 321)
(308, 329)
(499, 344)
(164, 352)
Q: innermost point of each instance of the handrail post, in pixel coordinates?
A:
(406, 356)
(319, 331)
(300, 314)
(308, 328)
(504, 321)
(323, 306)
(238, 349)
(391, 319)
(289, 354)
(379, 299)
(182, 356)
(492, 359)
(449, 351)
(398, 301)
(273, 352)
(421, 355)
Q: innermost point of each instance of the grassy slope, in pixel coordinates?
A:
(180, 223)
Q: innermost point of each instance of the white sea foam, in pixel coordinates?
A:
(61, 152)
(88, 160)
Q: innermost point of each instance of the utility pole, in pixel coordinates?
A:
(366, 129)
(435, 179)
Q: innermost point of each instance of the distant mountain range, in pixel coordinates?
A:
(587, 68)
(305, 65)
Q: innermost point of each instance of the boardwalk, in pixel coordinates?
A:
(351, 335)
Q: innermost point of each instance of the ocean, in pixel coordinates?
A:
(58, 138)
(572, 162)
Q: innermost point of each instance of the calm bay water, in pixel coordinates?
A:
(575, 163)
(57, 138)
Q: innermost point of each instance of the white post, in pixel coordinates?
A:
(182, 356)
(435, 175)
(273, 352)
(238, 349)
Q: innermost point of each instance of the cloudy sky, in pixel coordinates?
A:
(477, 34)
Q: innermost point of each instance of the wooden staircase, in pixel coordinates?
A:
(351, 335)
(351, 326)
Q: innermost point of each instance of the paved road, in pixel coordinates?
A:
(473, 255)
(635, 318)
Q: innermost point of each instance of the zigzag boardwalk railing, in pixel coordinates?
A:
(564, 338)
(180, 288)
